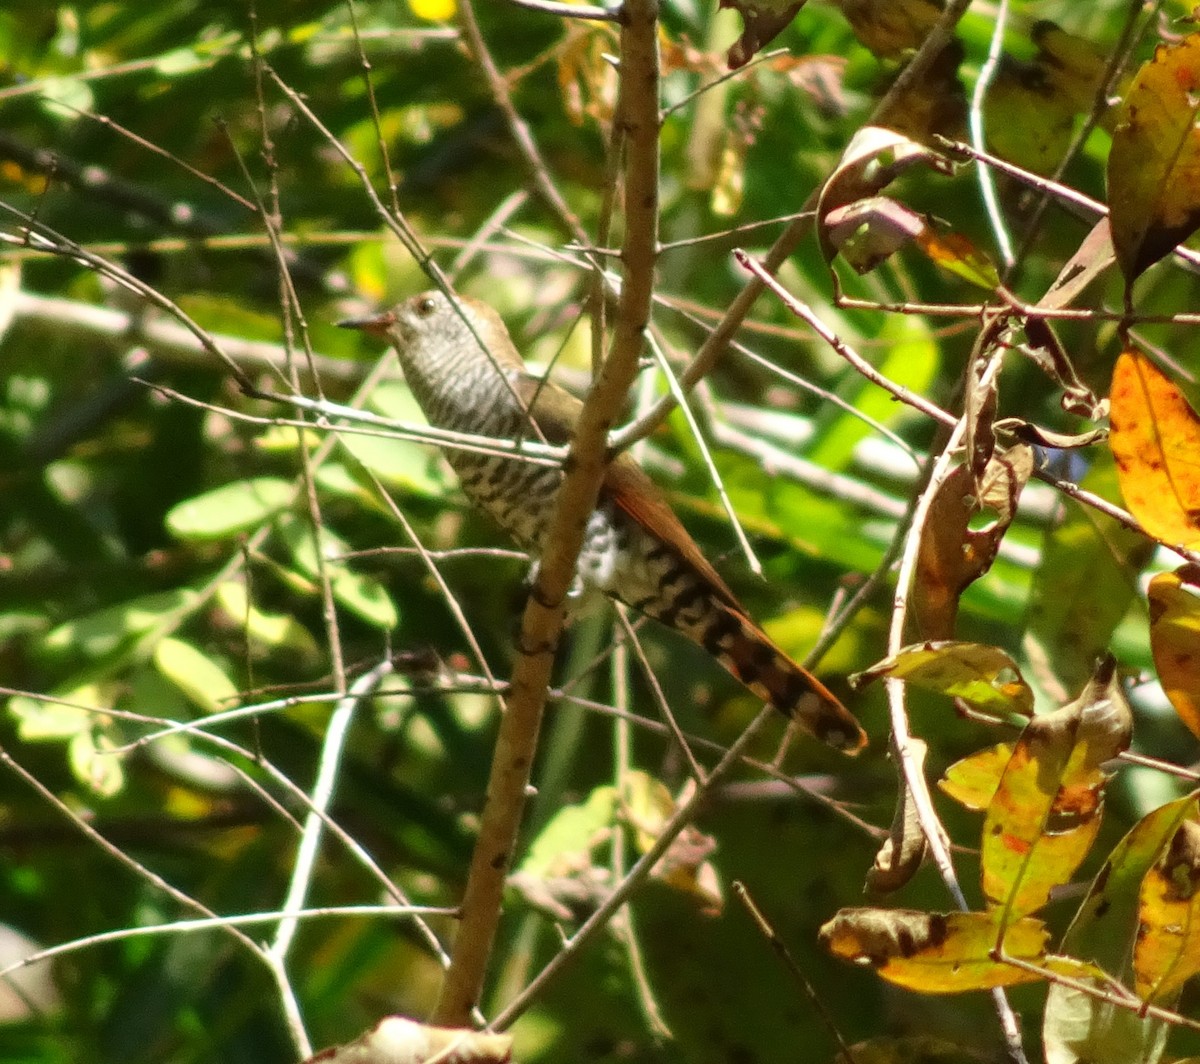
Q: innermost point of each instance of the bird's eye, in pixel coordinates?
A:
(426, 306)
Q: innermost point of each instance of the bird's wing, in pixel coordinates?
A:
(556, 412)
(635, 493)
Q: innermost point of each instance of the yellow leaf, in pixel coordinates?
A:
(1046, 811)
(1175, 640)
(1156, 443)
(1167, 952)
(984, 676)
(972, 782)
(434, 10)
(1154, 164)
(936, 953)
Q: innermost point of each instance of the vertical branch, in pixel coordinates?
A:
(516, 742)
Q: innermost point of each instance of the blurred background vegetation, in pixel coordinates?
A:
(156, 548)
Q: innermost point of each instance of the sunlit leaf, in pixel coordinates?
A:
(65, 714)
(1154, 162)
(1167, 953)
(564, 874)
(1046, 811)
(1156, 443)
(984, 676)
(1175, 640)
(359, 593)
(188, 60)
(63, 98)
(98, 634)
(935, 953)
(195, 674)
(230, 509)
(912, 358)
(957, 255)
(1082, 1028)
(91, 756)
(972, 782)
(273, 631)
(1105, 927)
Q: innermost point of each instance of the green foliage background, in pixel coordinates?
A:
(124, 127)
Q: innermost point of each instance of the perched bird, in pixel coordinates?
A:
(467, 376)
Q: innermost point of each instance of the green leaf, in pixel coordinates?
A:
(1079, 1028)
(912, 361)
(360, 594)
(573, 831)
(1085, 583)
(60, 717)
(230, 509)
(196, 675)
(94, 764)
(63, 98)
(98, 634)
(273, 631)
(984, 676)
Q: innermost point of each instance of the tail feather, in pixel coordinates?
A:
(749, 655)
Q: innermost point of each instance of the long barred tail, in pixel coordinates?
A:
(657, 569)
(748, 653)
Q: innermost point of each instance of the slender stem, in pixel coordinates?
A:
(516, 743)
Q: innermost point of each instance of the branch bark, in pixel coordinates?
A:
(516, 743)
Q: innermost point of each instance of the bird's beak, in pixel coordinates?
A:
(375, 325)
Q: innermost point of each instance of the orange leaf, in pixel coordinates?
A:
(1154, 164)
(1156, 443)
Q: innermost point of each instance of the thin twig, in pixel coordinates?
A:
(717, 341)
(987, 180)
(684, 814)
(579, 11)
